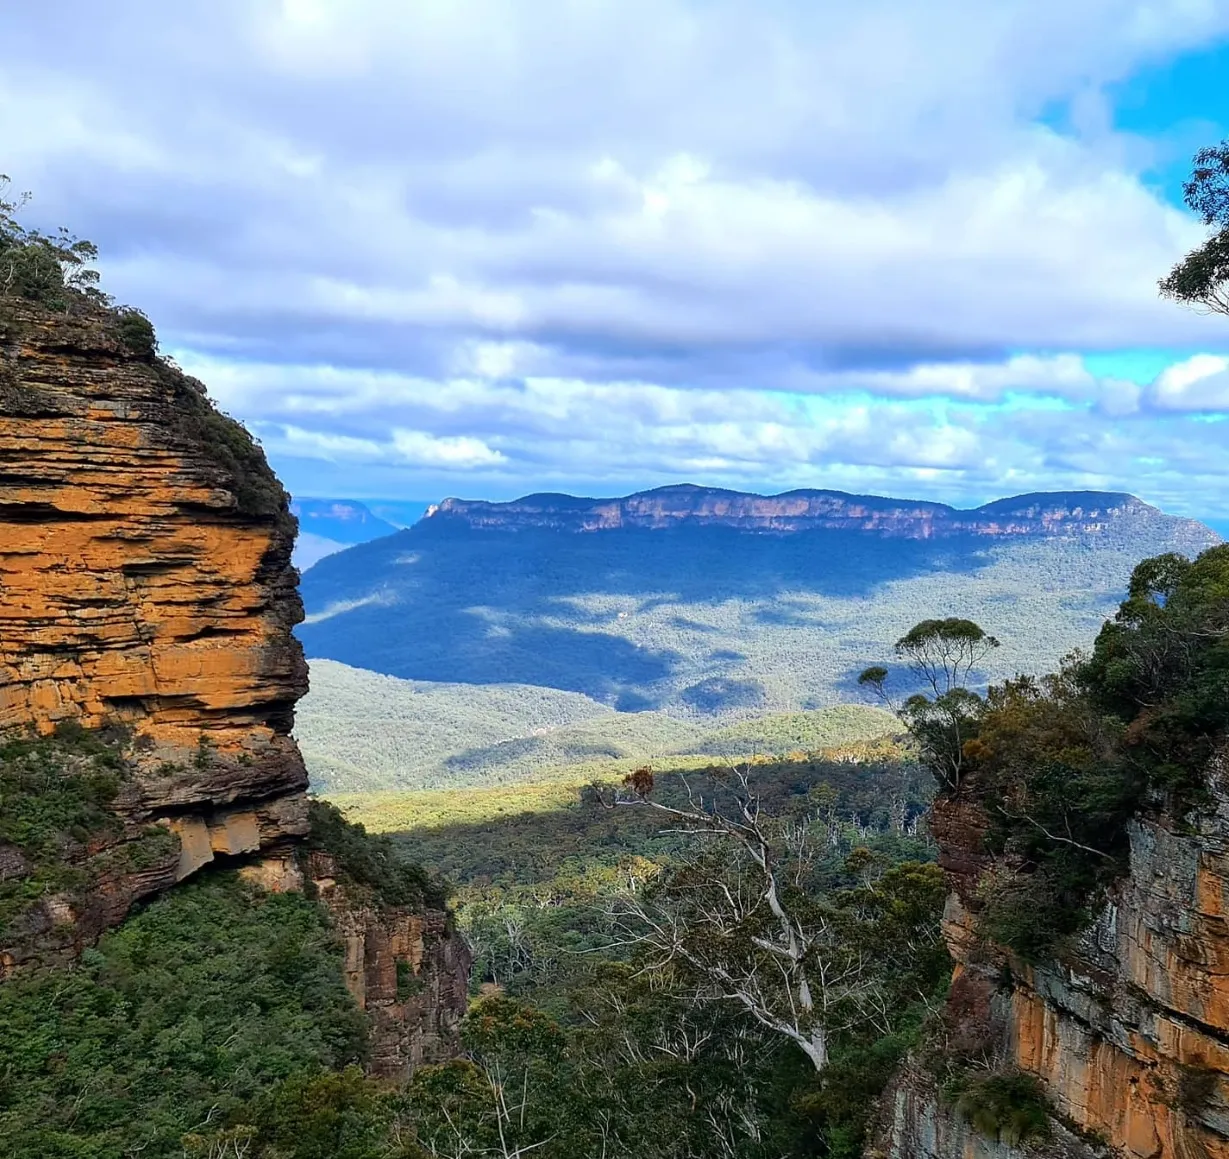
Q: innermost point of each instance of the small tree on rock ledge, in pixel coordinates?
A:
(943, 654)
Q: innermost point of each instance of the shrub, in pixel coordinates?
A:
(1009, 1107)
(206, 999)
(136, 331)
(55, 794)
(372, 863)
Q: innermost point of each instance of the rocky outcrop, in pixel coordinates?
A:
(145, 585)
(147, 596)
(1129, 1032)
(920, 1124)
(407, 967)
(1068, 513)
(145, 576)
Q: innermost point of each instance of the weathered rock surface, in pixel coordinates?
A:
(407, 968)
(145, 574)
(1068, 513)
(145, 583)
(1129, 1034)
(920, 1125)
(146, 586)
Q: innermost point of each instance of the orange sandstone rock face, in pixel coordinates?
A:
(145, 582)
(1129, 1034)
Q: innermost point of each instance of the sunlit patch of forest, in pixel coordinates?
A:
(365, 732)
(542, 875)
(703, 623)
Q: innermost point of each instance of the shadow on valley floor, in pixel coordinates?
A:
(618, 615)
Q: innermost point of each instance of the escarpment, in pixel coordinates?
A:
(1084, 830)
(1066, 514)
(145, 586)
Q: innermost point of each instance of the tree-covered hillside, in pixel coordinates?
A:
(700, 622)
(365, 731)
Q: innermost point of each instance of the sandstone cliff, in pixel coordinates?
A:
(1079, 513)
(147, 601)
(405, 965)
(145, 584)
(1128, 1032)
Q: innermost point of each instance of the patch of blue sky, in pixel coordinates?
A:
(1138, 366)
(1176, 106)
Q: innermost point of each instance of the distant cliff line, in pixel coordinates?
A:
(1058, 513)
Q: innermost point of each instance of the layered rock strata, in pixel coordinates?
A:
(1064, 514)
(146, 586)
(1129, 1033)
(146, 590)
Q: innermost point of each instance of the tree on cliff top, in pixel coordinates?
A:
(57, 271)
(1201, 279)
(942, 655)
(40, 267)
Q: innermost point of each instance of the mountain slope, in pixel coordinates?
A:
(363, 731)
(327, 526)
(697, 617)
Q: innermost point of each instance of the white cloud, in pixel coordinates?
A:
(624, 241)
(1200, 383)
(424, 450)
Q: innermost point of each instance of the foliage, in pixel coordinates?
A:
(52, 269)
(943, 655)
(364, 731)
(1062, 764)
(54, 798)
(136, 331)
(224, 441)
(371, 863)
(1202, 277)
(309, 1115)
(1162, 669)
(747, 919)
(206, 999)
(1007, 1106)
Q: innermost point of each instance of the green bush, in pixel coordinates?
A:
(55, 794)
(1063, 764)
(372, 863)
(205, 1000)
(1008, 1107)
(136, 331)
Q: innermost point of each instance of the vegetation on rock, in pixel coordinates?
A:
(1060, 765)
(55, 794)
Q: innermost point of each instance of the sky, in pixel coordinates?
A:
(489, 247)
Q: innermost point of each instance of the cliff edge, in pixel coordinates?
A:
(1049, 514)
(148, 672)
(146, 588)
(1086, 845)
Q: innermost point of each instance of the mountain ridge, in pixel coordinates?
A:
(1057, 513)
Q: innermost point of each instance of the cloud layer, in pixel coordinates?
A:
(488, 246)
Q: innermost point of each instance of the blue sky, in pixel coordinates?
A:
(485, 247)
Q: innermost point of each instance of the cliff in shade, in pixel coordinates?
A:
(146, 592)
(1128, 1032)
(1060, 513)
